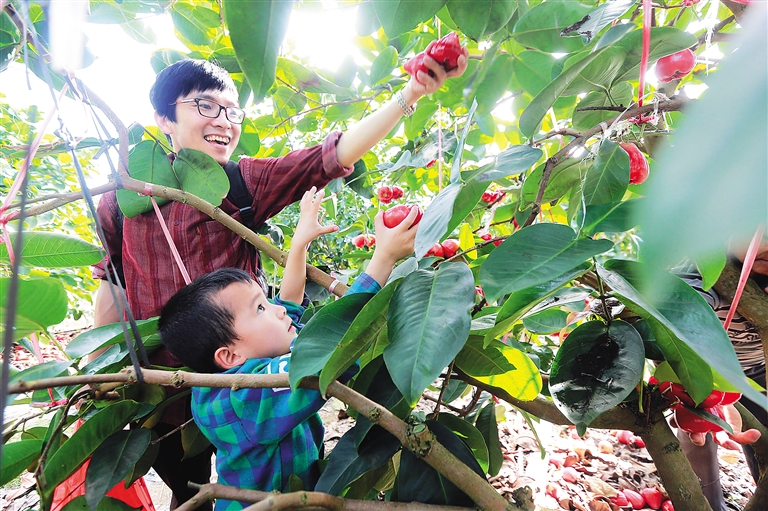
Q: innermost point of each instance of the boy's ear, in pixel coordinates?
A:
(226, 358)
(164, 124)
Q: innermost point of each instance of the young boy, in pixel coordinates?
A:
(223, 322)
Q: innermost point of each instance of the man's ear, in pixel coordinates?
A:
(226, 358)
(164, 124)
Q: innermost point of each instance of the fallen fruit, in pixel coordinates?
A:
(624, 436)
(675, 66)
(446, 51)
(653, 497)
(436, 250)
(619, 500)
(394, 216)
(635, 499)
(667, 506)
(638, 164)
(385, 194)
(639, 442)
(359, 241)
(450, 247)
(570, 474)
(692, 423)
(552, 491)
(397, 192)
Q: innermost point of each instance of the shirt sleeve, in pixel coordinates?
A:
(275, 183)
(110, 219)
(364, 284)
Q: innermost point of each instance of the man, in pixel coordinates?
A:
(196, 106)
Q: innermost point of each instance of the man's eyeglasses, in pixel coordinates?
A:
(212, 110)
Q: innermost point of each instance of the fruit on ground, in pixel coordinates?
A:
(570, 474)
(436, 250)
(675, 66)
(446, 51)
(639, 442)
(394, 216)
(624, 436)
(619, 500)
(359, 241)
(450, 247)
(653, 497)
(635, 499)
(385, 194)
(638, 164)
(667, 506)
(692, 423)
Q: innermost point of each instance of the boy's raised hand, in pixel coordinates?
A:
(392, 244)
(309, 227)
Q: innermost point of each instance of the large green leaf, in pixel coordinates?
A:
(714, 191)
(305, 79)
(429, 320)
(495, 83)
(399, 16)
(319, 338)
(53, 250)
(595, 369)
(685, 326)
(419, 482)
(512, 160)
(456, 167)
(615, 217)
(547, 321)
(40, 303)
(383, 64)
(464, 203)
(17, 456)
(601, 16)
(533, 70)
(84, 441)
(469, 435)
(103, 336)
(196, 23)
(486, 424)
(348, 462)
(664, 41)
(523, 381)
(562, 178)
(532, 255)
(193, 441)
(42, 371)
(540, 27)
(608, 177)
(434, 224)
(480, 18)
(112, 461)
(620, 94)
(257, 30)
(201, 175)
(148, 162)
(599, 74)
(365, 329)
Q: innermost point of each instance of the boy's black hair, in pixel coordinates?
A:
(183, 77)
(193, 325)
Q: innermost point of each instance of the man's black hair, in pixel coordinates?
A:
(183, 77)
(193, 325)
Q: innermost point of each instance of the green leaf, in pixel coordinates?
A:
(562, 178)
(42, 371)
(456, 168)
(319, 338)
(53, 250)
(620, 94)
(547, 321)
(148, 162)
(429, 322)
(139, 31)
(400, 16)
(486, 424)
(193, 441)
(415, 124)
(201, 175)
(359, 181)
(84, 441)
(540, 27)
(347, 462)
(112, 461)
(106, 504)
(163, 58)
(607, 179)
(495, 83)
(468, 434)
(714, 191)
(375, 382)
(464, 203)
(481, 18)
(532, 255)
(533, 70)
(664, 41)
(103, 336)
(363, 331)
(523, 381)
(195, 23)
(595, 369)
(305, 79)
(710, 268)
(419, 482)
(685, 326)
(434, 224)
(616, 217)
(40, 303)
(614, 34)
(257, 30)
(512, 160)
(383, 64)
(17, 456)
(600, 17)
(599, 74)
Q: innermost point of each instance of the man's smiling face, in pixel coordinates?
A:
(216, 137)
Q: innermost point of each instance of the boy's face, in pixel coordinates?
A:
(263, 329)
(216, 137)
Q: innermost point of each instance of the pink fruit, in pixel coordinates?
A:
(675, 66)
(635, 499)
(624, 436)
(619, 500)
(570, 474)
(359, 241)
(653, 497)
(667, 506)
(450, 247)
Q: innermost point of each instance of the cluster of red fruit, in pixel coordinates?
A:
(638, 164)
(488, 237)
(648, 497)
(392, 217)
(492, 197)
(676, 395)
(446, 249)
(361, 240)
(389, 193)
(445, 50)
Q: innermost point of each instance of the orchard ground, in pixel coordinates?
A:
(602, 462)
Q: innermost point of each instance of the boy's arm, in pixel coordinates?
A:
(392, 244)
(362, 136)
(307, 230)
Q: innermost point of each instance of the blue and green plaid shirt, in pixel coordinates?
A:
(262, 436)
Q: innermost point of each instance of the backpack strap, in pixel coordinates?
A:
(239, 195)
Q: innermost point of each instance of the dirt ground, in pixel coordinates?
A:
(603, 464)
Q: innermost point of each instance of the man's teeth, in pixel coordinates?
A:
(218, 139)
